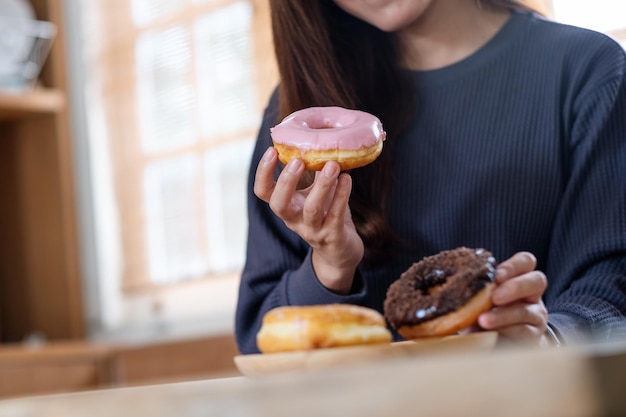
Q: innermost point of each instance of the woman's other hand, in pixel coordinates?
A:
(319, 214)
(518, 312)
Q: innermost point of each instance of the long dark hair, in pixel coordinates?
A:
(327, 57)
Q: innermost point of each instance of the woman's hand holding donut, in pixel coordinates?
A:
(319, 214)
(518, 312)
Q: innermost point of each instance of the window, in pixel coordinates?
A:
(174, 93)
(601, 15)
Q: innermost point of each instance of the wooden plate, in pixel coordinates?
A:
(272, 363)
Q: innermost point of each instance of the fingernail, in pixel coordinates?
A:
(294, 165)
(268, 155)
(484, 320)
(343, 181)
(499, 295)
(501, 273)
(330, 170)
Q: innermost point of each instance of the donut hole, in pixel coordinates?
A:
(323, 126)
(433, 281)
(321, 121)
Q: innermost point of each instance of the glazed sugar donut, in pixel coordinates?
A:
(319, 134)
(441, 294)
(322, 326)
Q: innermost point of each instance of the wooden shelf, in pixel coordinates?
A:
(40, 280)
(32, 103)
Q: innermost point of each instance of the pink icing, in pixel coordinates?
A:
(321, 128)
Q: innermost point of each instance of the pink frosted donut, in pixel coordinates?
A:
(319, 134)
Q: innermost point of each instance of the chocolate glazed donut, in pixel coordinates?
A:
(441, 294)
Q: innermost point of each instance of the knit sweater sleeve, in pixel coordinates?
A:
(278, 269)
(587, 262)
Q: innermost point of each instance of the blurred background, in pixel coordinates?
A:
(169, 94)
(126, 128)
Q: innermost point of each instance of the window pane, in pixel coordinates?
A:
(600, 15)
(176, 248)
(146, 10)
(165, 89)
(227, 96)
(205, 1)
(226, 171)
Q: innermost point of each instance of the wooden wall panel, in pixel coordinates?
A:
(54, 368)
(176, 361)
(11, 257)
(77, 366)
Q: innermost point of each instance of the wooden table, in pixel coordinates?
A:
(573, 382)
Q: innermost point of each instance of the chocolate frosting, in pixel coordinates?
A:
(438, 285)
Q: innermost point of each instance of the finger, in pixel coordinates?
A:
(474, 328)
(518, 264)
(528, 287)
(316, 203)
(335, 218)
(264, 177)
(521, 333)
(500, 318)
(285, 202)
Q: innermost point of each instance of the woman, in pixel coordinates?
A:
(504, 131)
